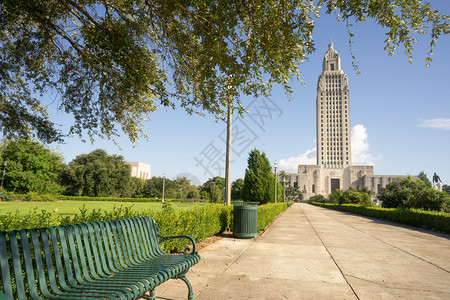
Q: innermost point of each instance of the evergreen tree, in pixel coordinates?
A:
(259, 181)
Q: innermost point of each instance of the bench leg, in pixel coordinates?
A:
(150, 296)
(184, 278)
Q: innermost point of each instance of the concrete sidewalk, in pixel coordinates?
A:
(316, 253)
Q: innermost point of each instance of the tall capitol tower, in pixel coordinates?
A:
(334, 169)
(333, 114)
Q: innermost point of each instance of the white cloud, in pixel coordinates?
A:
(360, 153)
(439, 123)
(360, 147)
(291, 164)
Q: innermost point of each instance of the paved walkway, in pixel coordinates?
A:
(316, 253)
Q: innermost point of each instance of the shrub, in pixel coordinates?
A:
(113, 199)
(335, 196)
(318, 199)
(355, 197)
(47, 198)
(267, 212)
(413, 193)
(31, 196)
(199, 223)
(10, 196)
(414, 217)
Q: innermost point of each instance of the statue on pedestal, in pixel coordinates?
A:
(437, 182)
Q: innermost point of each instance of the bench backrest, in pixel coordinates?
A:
(32, 261)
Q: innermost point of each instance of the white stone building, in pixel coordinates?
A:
(334, 169)
(140, 170)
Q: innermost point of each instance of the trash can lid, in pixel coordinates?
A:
(239, 203)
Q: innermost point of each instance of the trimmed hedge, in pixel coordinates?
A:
(30, 196)
(414, 217)
(267, 212)
(113, 199)
(200, 222)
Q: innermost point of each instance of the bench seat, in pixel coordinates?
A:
(119, 259)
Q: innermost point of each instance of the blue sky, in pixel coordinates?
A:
(400, 115)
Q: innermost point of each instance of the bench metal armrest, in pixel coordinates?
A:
(186, 250)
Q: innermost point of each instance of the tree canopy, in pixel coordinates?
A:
(97, 174)
(31, 167)
(413, 193)
(214, 188)
(111, 63)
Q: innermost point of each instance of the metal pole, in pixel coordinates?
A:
(3, 176)
(284, 192)
(275, 164)
(164, 182)
(228, 159)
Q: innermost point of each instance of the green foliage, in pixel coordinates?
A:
(340, 197)
(267, 212)
(109, 62)
(352, 197)
(30, 196)
(215, 193)
(200, 222)
(318, 199)
(31, 167)
(236, 189)
(111, 199)
(204, 195)
(172, 188)
(33, 219)
(413, 193)
(446, 189)
(422, 176)
(96, 174)
(215, 188)
(335, 196)
(259, 181)
(293, 193)
(193, 194)
(135, 188)
(415, 217)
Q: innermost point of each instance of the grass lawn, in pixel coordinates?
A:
(73, 207)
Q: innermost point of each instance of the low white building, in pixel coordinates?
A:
(140, 170)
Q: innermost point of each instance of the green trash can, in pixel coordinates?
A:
(245, 218)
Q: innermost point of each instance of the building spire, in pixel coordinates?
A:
(330, 46)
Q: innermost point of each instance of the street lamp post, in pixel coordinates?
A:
(275, 165)
(3, 176)
(284, 192)
(164, 183)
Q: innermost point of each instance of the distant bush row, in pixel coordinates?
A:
(113, 199)
(200, 222)
(350, 196)
(31, 196)
(415, 217)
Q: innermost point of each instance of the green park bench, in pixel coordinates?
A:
(119, 259)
